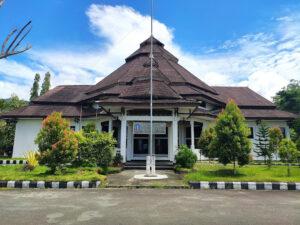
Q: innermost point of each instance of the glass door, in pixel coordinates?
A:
(141, 144)
(161, 143)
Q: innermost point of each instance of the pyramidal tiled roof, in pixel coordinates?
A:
(166, 73)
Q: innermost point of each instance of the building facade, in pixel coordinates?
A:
(183, 106)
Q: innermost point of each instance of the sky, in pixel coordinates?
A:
(254, 43)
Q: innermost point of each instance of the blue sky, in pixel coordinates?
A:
(247, 43)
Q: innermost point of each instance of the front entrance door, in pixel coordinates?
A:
(141, 146)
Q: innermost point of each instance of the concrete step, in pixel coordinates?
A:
(160, 165)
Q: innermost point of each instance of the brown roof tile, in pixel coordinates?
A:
(136, 66)
(64, 94)
(41, 110)
(243, 96)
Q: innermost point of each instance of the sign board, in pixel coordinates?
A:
(144, 128)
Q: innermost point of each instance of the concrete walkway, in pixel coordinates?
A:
(148, 207)
(126, 178)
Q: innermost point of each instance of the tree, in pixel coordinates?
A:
(46, 83)
(262, 143)
(14, 38)
(57, 144)
(8, 127)
(288, 98)
(231, 143)
(288, 153)
(275, 137)
(205, 143)
(34, 92)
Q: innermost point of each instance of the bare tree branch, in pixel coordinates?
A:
(1, 3)
(11, 50)
(6, 40)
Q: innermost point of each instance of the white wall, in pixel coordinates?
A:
(26, 132)
(269, 123)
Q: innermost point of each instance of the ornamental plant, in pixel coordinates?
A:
(275, 137)
(231, 143)
(31, 159)
(57, 144)
(205, 142)
(288, 153)
(262, 147)
(103, 149)
(185, 157)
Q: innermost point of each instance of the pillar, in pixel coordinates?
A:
(110, 125)
(174, 138)
(192, 135)
(123, 137)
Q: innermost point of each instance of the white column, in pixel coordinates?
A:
(287, 132)
(110, 125)
(192, 135)
(123, 137)
(174, 137)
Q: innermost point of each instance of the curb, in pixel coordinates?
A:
(50, 184)
(274, 164)
(284, 186)
(12, 162)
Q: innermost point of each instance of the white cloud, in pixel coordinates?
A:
(264, 61)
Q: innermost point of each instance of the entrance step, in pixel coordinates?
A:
(141, 164)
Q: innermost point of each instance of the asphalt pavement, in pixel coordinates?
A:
(149, 206)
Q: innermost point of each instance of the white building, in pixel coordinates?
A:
(183, 107)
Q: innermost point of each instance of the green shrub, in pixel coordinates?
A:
(89, 127)
(118, 159)
(57, 144)
(85, 155)
(103, 149)
(95, 148)
(185, 157)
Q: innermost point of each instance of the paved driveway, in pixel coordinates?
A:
(148, 206)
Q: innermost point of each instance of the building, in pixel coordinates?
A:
(183, 107)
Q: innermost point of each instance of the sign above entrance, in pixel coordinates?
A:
(144, 128)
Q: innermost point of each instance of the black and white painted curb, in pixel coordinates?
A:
(50, 184)
(245, 185)
(12, 162)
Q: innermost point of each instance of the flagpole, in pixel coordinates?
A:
(151, 89)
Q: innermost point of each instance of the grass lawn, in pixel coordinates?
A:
(41, 173)
(217, 172)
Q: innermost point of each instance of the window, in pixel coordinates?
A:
(251, 136)
(104, 126)
(283, 131)
(72, 128)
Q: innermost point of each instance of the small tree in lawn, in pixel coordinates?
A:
(103, 148)
(205, 143)
(231, 143)
(275, 137)
(288, 153)
(56, 142)
(262, 143)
